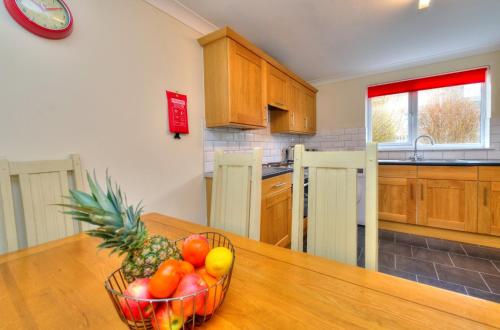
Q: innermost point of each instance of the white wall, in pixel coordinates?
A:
(101, 93)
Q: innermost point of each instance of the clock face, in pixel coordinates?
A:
(50, 14)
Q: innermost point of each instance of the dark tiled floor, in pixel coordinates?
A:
(468, 269)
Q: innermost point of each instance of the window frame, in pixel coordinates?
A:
(413, 126)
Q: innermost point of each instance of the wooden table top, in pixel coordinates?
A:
(59, 285)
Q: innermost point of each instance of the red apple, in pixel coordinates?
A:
(166, 319)
(190, 284)
(195, 249)
(132, 308)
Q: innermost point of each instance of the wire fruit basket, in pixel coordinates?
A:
(182, 312)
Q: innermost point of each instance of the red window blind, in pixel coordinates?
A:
(444, 80)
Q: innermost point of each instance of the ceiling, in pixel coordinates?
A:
(325, 40)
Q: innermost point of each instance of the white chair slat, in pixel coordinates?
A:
(7, 216)
(42, 185)
(332, 204)
(236, 192)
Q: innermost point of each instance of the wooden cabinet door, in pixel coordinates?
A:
(310, 110)
(301, 115)
(296, 113)
(276, 218)
(277, 88)
(489, 208)
(448, 204)
(245, 86)
(396, 199)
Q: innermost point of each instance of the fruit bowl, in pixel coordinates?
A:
(139, 313)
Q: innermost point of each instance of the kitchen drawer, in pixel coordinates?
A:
(397, 171)
(489, 173)
(277, 198)
(468, 173)
(276, 184)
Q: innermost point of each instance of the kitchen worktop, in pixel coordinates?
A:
(267, 172)
(271, 171)
(271, 288)
(441, 162)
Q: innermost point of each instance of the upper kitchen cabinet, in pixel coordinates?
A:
(310, 111)
(234, 94)
(242, 82)
(301, 115)
(277, 88)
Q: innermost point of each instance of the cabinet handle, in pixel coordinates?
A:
(281, 184)
(307, 123)
(485, 195)
(293, 119)
(421, 192)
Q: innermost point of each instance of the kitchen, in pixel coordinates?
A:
(437, 224)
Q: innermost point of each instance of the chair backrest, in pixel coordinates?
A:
(236, 192)
(41, 184)
(332, 221)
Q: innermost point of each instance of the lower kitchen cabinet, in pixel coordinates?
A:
(397, 193)
(489, 208)
(489, 201)
(443, 197)
(396, 199)
(276, 210)
(448, 204)
(276, 215)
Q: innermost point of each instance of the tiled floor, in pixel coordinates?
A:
(468, 269)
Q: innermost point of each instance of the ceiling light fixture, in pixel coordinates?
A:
(423, 4)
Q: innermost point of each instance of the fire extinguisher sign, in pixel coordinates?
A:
(177, 114)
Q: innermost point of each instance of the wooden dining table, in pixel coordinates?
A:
(59, 285)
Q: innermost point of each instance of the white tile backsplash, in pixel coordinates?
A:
(232, 139)
(476, 154)
(453, 154)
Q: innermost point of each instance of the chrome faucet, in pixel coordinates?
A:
(416, 155)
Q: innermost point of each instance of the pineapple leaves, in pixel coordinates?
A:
(83, 198)
(116, 223)
(100, 197)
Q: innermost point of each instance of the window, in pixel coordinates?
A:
(451, 108)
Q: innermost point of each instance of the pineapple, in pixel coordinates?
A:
(121, 229)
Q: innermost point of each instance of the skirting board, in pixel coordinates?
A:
(451, 235)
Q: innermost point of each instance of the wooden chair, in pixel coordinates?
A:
(42, 184)
(332, 223)
(236, 192)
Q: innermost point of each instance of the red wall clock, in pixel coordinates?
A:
(50, 19)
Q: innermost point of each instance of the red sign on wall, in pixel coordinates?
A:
(177, 113)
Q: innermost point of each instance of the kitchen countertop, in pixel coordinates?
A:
(441, 162)
(59, 285)
(267, 172)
